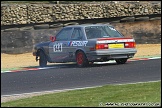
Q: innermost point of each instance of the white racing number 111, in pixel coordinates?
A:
(57, 47)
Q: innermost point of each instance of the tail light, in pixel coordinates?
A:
(130, 44)
(101, 46)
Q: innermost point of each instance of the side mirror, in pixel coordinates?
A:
(52, 38)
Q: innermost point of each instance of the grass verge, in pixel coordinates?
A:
(148, 94)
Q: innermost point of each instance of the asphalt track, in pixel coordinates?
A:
(69, 76)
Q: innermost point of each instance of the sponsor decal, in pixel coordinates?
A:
(69, 43)
(78, 43)
(57, 47)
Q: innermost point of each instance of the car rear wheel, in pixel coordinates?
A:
(121, 61)
(81, 59)
(42, 60)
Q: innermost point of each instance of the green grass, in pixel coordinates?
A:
(139, 93)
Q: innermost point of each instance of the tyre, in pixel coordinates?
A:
(91, 62)
(121, 61)
(81, 59)
(42, 59)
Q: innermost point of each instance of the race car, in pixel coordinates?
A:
(85, 44)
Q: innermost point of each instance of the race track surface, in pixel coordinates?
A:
(69, 76)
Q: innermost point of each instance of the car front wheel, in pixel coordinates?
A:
(42, 60)
(81, 59)
(121, 61)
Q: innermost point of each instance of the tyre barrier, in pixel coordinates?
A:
(142, 19)
(42, 26)
(127, 19)
(71, 23)
(56, 25)
(155, 18)
(88, 23)
(27, 28)
(117, 21)
(102, 23)
(12, 29)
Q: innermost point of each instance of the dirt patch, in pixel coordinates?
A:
(27, 59)
(148, 49)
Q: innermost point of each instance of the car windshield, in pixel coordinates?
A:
(101, 32)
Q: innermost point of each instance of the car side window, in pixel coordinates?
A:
(64, 34)
(77, 34)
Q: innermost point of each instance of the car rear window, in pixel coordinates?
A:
(101, 32)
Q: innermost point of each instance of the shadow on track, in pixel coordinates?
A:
(74, 65)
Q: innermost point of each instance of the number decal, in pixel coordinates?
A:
(57, 47)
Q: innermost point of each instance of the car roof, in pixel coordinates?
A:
(86, 25)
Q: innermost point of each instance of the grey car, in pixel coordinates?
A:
(85, 44)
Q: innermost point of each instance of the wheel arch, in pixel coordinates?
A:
(81, 60)
(38, 51)
(79, 50)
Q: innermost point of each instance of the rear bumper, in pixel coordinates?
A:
(110, 54)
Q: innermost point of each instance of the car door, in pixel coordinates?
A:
(76, 42)
(58, 50)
